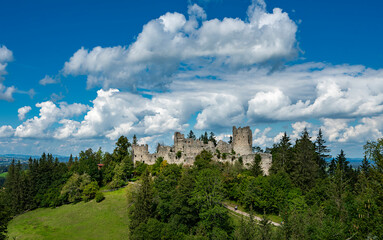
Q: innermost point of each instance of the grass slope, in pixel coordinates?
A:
(105, 220)
(4, 174)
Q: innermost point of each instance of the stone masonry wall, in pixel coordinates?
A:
(190, 148)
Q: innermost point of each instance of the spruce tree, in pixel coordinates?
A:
(282, 155)
(191, 135)
(322, 152)
(305, 168)
(143, 201)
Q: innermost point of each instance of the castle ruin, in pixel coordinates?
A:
(185, 150)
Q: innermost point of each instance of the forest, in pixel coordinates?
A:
(313, 197)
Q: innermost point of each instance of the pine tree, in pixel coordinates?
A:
(255, 168)
(282, 155)
(365, 166)
(70, 162)
(134, 139)
(212, 138)
(143, 201)
(122, 149)
(332, 167)
(322, 152)
(305, 168)
(191, 135)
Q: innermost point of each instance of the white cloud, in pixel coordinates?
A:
(49, 80)
(6, 131)
(278, 137)
(220, 110)
(170, 40)
(23, 111)
(49, 114)
(344, 130)
(261, 138)
(298, 128)
(6, 55)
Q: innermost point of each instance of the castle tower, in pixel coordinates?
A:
(179, 140)
(242, 140)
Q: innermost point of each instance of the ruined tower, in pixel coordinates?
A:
(242, 140)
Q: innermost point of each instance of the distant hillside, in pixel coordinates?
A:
(6, 159)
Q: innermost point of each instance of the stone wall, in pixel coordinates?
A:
(185, 150)
(242, 140)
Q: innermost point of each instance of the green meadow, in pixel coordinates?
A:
(105, 220)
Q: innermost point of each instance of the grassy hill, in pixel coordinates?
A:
(105, 220)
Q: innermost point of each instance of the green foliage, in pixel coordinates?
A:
(140, 168)
(204, 138)
(212, 139)
(143, 203)
(305, 169)
(88, 164)
(282, 155)
(322, 153)
(99, 197)
(122, 149)
(255, 167)
(191, 135)
(5, 216)
(90, 191)
(73, 189)
(203, 160)
(178, 154)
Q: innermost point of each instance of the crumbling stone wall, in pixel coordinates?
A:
(185, 150)
(242, 140)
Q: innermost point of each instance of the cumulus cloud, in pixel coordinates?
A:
(344, 130)
(6, 55)
(49, 80)
(173, 41)
(261, 138)
(49, 114)
(6, 131)
(23, 111)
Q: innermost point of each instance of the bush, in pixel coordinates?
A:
(99, 197)
(90, 191)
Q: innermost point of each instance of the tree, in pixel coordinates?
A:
(305, 168)
(332, 167)
(282, 155)
(90, 191)
(204, 138)
(322, 153)
(5, 216)
(365, 166)
(143, 205)
(134, 139)
(255, 168)
(191, 135)
(73, 189)
(212, 138)
(70, 162)
(122, 149)
(208, 196)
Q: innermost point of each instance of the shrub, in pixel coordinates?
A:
(90, 191)
(99, 197)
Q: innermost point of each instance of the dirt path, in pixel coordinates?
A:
(248, 215)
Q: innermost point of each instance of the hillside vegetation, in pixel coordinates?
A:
(84, 220)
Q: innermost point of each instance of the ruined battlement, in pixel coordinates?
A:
(185, 150)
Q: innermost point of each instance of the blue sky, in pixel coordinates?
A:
(77, 74)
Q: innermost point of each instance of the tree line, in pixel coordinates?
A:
(314, 199)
